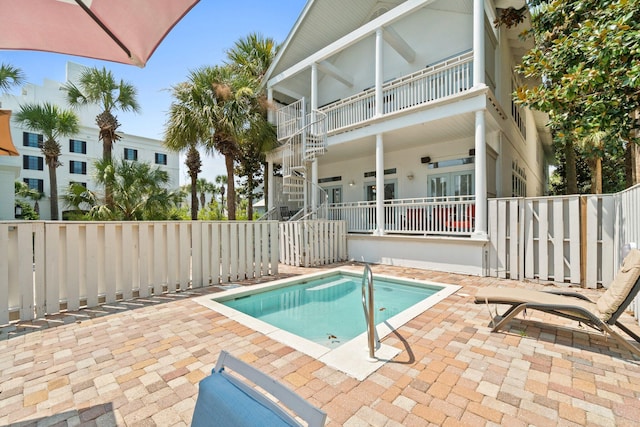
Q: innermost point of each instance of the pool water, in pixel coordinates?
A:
(328, 310)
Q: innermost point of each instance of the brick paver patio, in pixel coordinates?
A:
(138, 363)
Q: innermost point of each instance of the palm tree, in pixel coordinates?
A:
(79, 199)
(221, 180)
(204, 187)
(184, 130)
(23, 190)
(252, 56)
(225, 99)
(10, 76)
(139, 191)
(99, 87)
(53, 123)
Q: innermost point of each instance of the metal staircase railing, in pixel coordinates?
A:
(302, 145)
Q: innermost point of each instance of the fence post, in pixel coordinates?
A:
(583, 241)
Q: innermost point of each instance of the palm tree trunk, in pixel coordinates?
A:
(572, 175)
(194, 197)
(596, 175)
(231, 189)
(250, 198)
(107, 145)
(53, 181)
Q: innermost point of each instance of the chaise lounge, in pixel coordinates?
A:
(600, 315)
(229, 398)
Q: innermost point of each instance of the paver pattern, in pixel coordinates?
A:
(138, 363)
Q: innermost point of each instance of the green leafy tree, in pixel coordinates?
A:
(23, 190)
(29, 212)
(139, 192)
(586, 60)
(53, 122)
(251, 56)
(10, 76)
(222, 180)
(79, 201)
(204, 187)
(100, 87)
(185, 131)
(226, 99)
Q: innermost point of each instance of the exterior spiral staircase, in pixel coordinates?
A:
(304, 138)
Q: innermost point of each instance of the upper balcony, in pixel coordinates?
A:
(442, 80)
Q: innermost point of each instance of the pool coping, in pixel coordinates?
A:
(352, 356)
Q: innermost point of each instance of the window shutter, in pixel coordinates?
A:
(40, 163)
(84, 168)
(25, 139)
(25, 162)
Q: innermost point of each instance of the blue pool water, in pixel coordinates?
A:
(328, 310)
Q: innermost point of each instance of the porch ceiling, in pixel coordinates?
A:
(320, 25)
(425, 134)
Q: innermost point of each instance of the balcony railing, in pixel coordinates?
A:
(422, 216)
(435, 82)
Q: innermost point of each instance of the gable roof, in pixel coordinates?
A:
(321, 23)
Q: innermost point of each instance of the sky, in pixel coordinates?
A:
(201, 38)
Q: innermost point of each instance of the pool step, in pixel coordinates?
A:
(330, 291)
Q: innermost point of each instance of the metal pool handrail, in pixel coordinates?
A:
(367, 279)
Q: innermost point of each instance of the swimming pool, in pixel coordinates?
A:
(349, 355)
(328, 310)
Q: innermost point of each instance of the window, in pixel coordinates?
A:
(330, 179)
(31, 139)
(130, 154)
(518, 180)
(35, 184)
(84, 184)
(35, 163)
(76, 146)
(161, 159)
(372, 174)
(78, 167)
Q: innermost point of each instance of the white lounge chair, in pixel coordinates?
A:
(225, 400)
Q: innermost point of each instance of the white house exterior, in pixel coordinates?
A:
(78, 151)
(414, 97)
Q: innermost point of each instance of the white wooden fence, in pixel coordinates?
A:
(46, 267)
(313, 242)
(565, 239)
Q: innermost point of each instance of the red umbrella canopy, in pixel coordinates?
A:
(125, 31)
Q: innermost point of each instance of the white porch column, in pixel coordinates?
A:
(270, 194)
(271, 107)
(314, 164)
(379, 185)
(478, 43)
(481, 175)
(379, 70)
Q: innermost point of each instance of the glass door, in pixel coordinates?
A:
(451, 184)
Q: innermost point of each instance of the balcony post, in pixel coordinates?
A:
(379, 70)
(379, 185)
(314, 108)
(271, 192)
(478, 43)
(481, 176)
(270, 110)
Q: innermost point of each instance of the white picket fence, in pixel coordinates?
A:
(564, 239)
(312, 243)
(46, 267)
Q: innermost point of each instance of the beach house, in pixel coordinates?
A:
(398, 118)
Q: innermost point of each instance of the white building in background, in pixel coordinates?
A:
(397, 117)
(79, 151)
